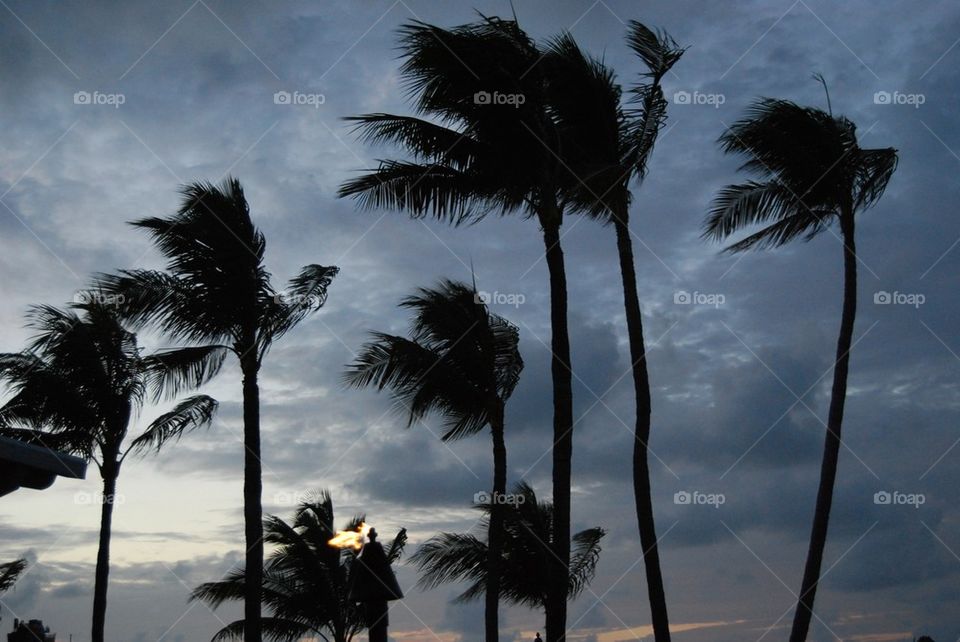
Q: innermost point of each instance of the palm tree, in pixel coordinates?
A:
(527, 556)
(217, 293)
(80, 384)
(304, 581)
(463, 362)
(606, 146)
(811, 172)
(487, 142)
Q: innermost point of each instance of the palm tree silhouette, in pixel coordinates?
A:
(81, 382)
(492, 146)
(461, 361)
(216, 292)
(305, 581)
(812, 172)
(607, 145)
(527, 556)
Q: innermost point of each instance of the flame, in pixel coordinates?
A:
(350, 539)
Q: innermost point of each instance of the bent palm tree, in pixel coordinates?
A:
(217, 292)
(305, 585)
(526, 555)
(474, 154)
(81, 382)
(463, 362)
(606, 146)
(812, 172)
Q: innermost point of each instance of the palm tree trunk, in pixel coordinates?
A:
(103, 551)
(641, 468)
(495, 530)
(831, 448)
(556, 601)
(252, 510)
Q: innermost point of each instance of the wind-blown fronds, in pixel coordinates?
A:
(811, 172)
(462, 557)
(459, 358)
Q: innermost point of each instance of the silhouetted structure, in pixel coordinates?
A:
(373, 584)
(32, 631)
(24, 465)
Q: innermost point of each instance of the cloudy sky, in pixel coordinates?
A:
(184, 90)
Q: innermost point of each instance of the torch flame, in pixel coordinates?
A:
(350, 539)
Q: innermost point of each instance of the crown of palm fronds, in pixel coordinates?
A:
(458, 359)
(472, 154)
(527, 556)
(606, 143)
(83, 378)
(809, 169)
(215, 289)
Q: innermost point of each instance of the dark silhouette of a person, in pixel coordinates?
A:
(373, 583)
(538, 638)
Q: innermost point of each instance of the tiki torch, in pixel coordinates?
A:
(372, 583)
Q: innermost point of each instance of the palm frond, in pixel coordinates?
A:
(10, 572)
(427, 141)
(190, 414)
(170, 372)
(658, 50)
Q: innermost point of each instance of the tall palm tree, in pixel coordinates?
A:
(811, 172)
(81, 382)
(486, 142)
(462, 361)
(527, 557)
(606, 146)
(304, 581)
(216, 292)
